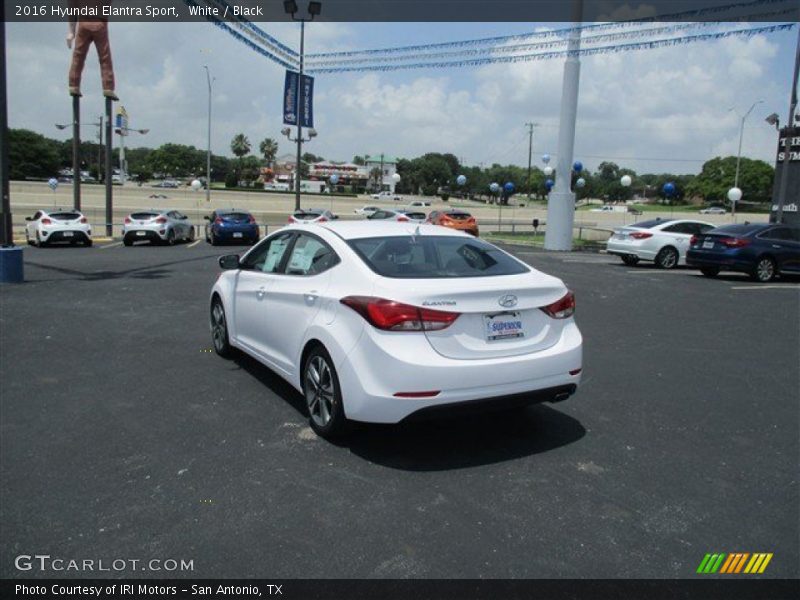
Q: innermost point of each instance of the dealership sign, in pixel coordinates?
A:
(290, 92)
(789, 142)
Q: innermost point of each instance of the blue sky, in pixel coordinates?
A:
(653, 111)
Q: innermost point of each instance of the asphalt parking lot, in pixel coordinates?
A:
(123, 435)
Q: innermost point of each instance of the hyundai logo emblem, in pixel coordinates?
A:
(507, 301)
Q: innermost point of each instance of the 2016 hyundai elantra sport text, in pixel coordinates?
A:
(379, 322)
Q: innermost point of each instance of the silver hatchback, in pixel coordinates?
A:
(157, 227)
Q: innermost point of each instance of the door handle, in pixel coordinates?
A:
(311, 296)
(260, 293)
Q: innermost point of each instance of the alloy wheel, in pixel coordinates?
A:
(319, 390)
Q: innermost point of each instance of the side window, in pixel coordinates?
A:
(171, 214)
(704, 228)
(310, 256)
(268, 256)
(676, 228)
(38, 215)
(777, 233)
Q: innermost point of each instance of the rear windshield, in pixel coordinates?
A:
(458, 215)
(143, 216)
(651, 223)
(420, 216)
(306, 215)
(418, 257)
(66, 216)
(237, 216)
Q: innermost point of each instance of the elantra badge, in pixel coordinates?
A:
(507, 301)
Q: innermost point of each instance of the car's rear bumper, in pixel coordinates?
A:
(142, 234)
(723, 261)
(65, 235)
(624, 248)
(236, 235)
(384, 364)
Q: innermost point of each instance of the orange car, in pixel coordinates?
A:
(455, 219)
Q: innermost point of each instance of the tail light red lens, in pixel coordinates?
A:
(732, 242)
(641, 235)
(396, 316)
(46, 221)
(252, 219)
(694, 240)
(402, 219)
(563, 308)
(128, 221)
(84, 220)
(290, 219)
(161, 220)
(322, 220)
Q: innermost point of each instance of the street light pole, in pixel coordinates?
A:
(299, 123)
(208, 140)
(739, 153)
(530, 127)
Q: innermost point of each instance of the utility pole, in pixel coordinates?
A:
(530, 127)
(208, 141)
(787, 151)
(6, 231)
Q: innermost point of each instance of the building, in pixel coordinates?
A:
(388, 167)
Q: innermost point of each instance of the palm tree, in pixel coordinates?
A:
(269, 149)
(240, 146)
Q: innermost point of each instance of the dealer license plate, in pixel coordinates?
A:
(142, 233)
(238, 234)
(708, 244)
(68, 234)
(503, 326)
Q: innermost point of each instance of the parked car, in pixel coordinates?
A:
(366, 211)
(608, 209)
(713, 210)
(371, 322)
(663, 241)
(46, 227)
(231, 225)
(312, 215)
(418, 204)
(454, 218)
(157, 226)
(167, 183)
(401, 215)
(762, 250)
(386, 195)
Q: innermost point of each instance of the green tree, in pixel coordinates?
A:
(718, 174)
(359, 160)
(269, 150)
(31, 155)
(240, 146)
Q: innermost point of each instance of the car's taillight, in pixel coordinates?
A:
(322, 220)
(84, 220)
(396, 316)
(694, 240)
(46, 221)
(161, 220)
(290, 219)
(402, 219)
(563, 308)
(218, 221)
(641, 235)
(252, 219)
(732, 242)
(128, 221)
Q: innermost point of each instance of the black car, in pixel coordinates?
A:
(762, 250)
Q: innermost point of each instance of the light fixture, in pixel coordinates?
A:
(774, 120)
(290, 6)
(314, 8)
(312, 133)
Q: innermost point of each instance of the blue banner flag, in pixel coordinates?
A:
(306, 92)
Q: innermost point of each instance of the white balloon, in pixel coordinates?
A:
(581, 182)
(197, 184)
(626, 180)
(734, 194)
(548, 170)
(396, 177)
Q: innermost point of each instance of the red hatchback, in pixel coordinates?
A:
(454, 218)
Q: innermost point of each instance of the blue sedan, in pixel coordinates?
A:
(762, 250)
(231, 225)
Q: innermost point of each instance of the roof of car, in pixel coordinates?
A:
(351, 230)
(226, 211)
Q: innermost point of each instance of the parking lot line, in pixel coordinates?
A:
(194, 243)
(766, 287)
(110, 245)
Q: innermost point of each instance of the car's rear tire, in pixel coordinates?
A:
(764, 270)
(127, 241)
(170, 237)
(710, 271)
(667, 258)
(219, 329)
(39, 242)
(323, 394)
(630, 259)
(214, 240)
(191, 234)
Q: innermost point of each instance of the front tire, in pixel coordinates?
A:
(219, 330)
(710, 271)
(765, 270)
(667, 258)
(630, 259)
(323, 394)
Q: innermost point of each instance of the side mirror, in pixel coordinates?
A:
(334, 217)
(184, 217)
(207, 218)
(229, 262)
(29, 218)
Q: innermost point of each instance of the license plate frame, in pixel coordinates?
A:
(141, 233)
(708, 245)
(68, 234)
(503, 326)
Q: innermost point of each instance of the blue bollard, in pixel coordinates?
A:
(11, 270)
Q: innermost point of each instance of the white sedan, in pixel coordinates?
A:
(366, 211)
(663, 241)
(379, 322)
(49, 226)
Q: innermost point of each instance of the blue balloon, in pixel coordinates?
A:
(461, 179)
(545, 158)
(334, 179)
(509, 187)
(669, 188)
(494, 187)
(548, 183)
(578, 166)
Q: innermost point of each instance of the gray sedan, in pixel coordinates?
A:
(157, 227)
